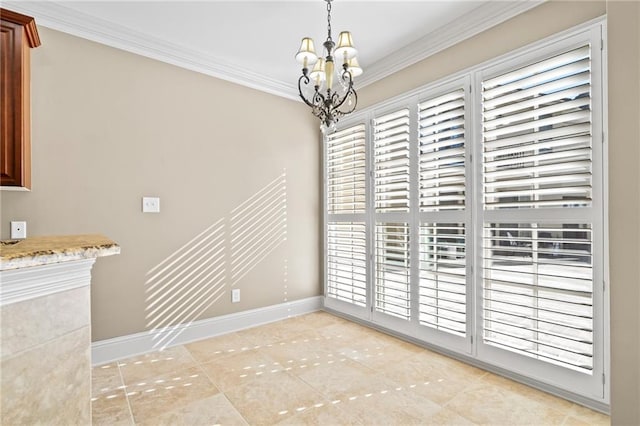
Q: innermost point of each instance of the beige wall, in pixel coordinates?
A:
(624, 208)
(624, 154)
(110, 127)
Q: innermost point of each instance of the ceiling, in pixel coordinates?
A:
(254, 42)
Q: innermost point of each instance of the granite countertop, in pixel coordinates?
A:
(38, 251)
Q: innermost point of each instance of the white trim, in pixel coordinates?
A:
(597, 405)
(109, 350)
(605, 216)
(472, 23)
(55, 15)
(15, 188)
(18, 285)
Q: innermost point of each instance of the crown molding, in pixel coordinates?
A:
(61, 18)
(489, 14)
(53, 15)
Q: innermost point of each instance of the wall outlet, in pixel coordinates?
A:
(18, 230)
(150, 205)
(235, 295)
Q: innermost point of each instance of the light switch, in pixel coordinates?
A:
(150, 205)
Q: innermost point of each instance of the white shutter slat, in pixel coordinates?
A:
(444, 135)
(391, 161)
(552, 169)
(346, 173)
(429, 117)
(538, 291)
(392, 286)
(550, 98)
(542, 74)
(442, 152)
(566, 143)
(441, 103)
(534, 123)
(452, 154)
(541, 111)
(544, 136)
(549, 63)
(347, 262)
(534, 158)
(436, 125)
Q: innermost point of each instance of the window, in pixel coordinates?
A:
(469, 214)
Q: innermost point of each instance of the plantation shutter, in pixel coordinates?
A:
(442, 152)
(537, 134)
(346, 203)
(391, 162)
(538, 291)
(443, 244)
(443, 278)
(346, 170)
(392, 290)
(347, 262)
(537, 154)
(391, 136)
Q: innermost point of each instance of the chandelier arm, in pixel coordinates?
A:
(347, 77)
(318, 99)
(319, 105)
(353, 107)
(346, 73)
(304, 77)
(350, 91)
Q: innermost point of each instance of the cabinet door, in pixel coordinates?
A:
(14, 165)
(18, 34)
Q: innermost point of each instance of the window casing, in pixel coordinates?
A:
(482, 230)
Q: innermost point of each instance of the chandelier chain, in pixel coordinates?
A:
(329, 19)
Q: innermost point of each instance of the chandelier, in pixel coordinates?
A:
(328, 101)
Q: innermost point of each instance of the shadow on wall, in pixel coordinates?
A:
(190, 280)
(258, 227)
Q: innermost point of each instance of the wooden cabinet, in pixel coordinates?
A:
(19, 34)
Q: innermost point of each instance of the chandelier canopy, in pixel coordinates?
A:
(329, 102)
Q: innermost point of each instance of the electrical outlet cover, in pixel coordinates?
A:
(18, 230)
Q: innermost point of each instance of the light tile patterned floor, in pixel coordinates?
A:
(316, 369)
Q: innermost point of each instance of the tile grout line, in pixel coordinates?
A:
(126, 394)
(204, 371)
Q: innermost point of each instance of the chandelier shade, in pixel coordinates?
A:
(354, 67)
(307, 53)
(329, 101)
(345, 49)
(318, 73)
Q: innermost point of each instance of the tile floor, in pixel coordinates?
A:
(316, 369)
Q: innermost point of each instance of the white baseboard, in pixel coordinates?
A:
(110, 350)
